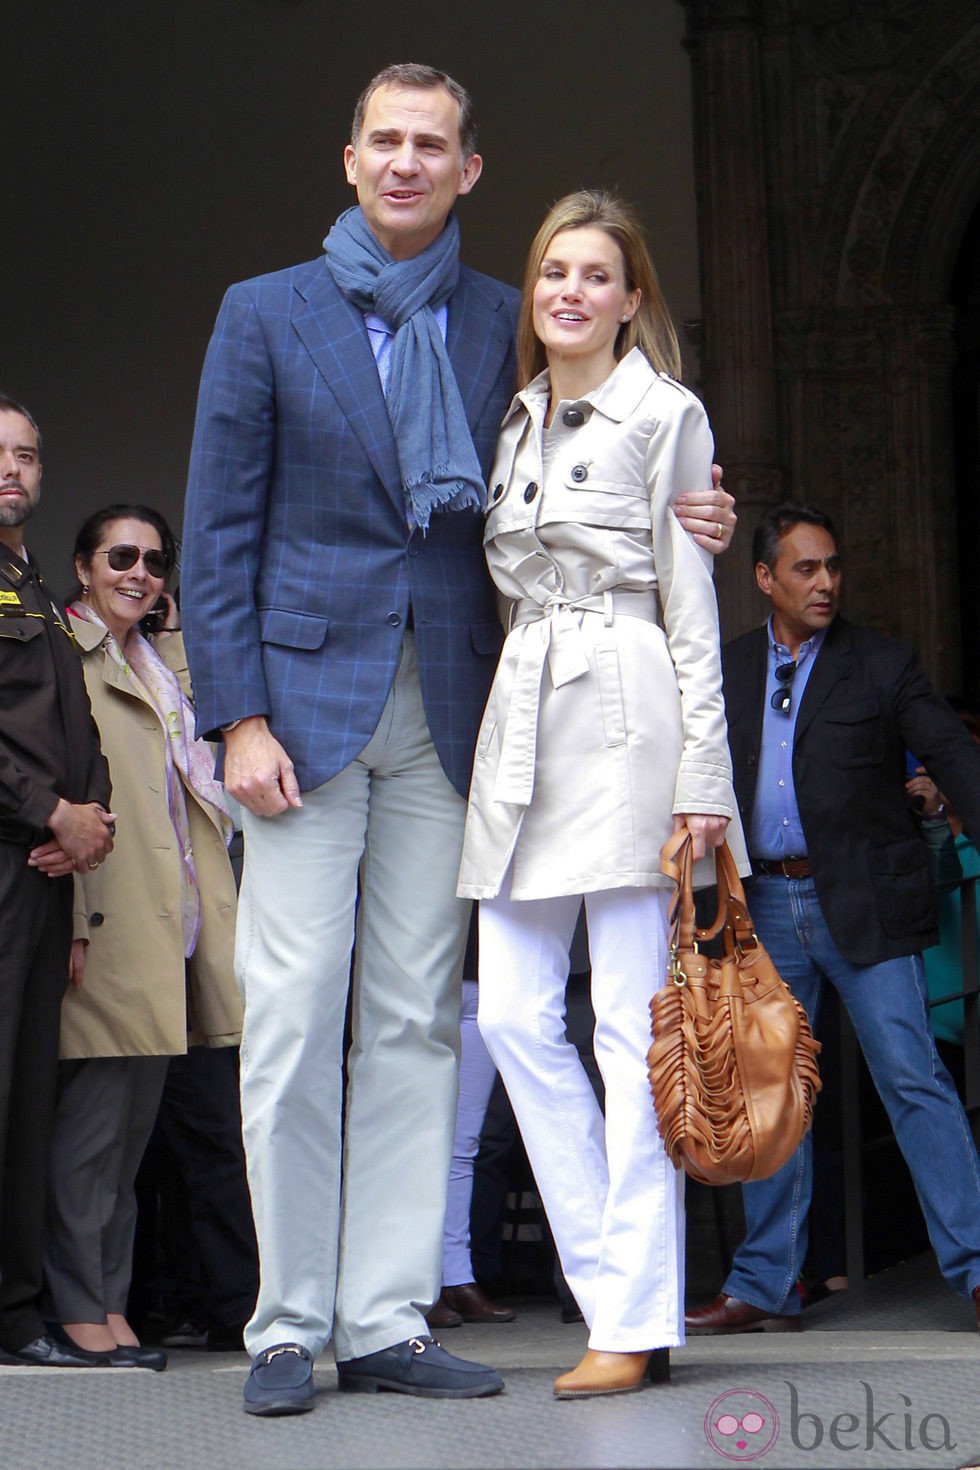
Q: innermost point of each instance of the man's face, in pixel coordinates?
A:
(803, 583)
(408, 166)
(20, 475)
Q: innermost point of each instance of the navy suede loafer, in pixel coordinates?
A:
(280, 1381)
(421, 1367)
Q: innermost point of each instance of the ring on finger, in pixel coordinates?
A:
(719, 530)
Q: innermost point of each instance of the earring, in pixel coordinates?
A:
(86, 589)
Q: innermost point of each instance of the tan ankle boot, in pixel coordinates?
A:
(605, 1373)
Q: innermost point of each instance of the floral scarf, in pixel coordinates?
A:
(190, 762)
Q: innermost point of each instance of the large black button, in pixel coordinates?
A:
(530, 492)
(394, 620)
(498, 490)
(579, 473)
(413, 548)
(573, 417)
(95, 920)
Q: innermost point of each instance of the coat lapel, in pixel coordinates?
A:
(333, 333)
(478, 337)
(833, 664)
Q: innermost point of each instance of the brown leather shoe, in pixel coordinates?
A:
(473, 1305)
(726, 1314)
(442, 1315)
(600, 1374)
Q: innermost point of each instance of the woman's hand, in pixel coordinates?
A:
(171, 620)
(706, 831)
(76, 963)
(708, 515)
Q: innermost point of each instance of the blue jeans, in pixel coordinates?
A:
(887, 1005)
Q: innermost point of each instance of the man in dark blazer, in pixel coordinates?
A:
(821, 715)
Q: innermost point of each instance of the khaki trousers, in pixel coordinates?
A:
(349, 1222)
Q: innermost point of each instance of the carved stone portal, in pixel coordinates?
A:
(838, 158)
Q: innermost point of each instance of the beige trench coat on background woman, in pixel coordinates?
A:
(135, 1000)
(141, 1001)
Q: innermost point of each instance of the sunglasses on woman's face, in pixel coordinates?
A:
(123, 558)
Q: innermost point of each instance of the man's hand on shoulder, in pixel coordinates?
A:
(258, 772)
(82, 839)
(708, 515)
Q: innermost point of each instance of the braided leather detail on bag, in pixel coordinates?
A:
(733, 1066)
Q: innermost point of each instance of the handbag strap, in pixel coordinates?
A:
(732, 919)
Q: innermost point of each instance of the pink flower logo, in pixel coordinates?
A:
(741, 1424)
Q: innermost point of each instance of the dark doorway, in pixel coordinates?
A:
(966, 429)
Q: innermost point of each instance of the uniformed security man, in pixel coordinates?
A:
(54, 794)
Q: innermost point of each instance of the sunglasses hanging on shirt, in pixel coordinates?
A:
(782, 699)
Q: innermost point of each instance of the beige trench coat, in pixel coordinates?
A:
(135, 1001)
(606, 714)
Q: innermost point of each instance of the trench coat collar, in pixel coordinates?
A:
(88, 635)
(616, 397)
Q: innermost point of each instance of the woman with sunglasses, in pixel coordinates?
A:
(152, 961)
(604, 730)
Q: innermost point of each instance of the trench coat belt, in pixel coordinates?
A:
(553, 634)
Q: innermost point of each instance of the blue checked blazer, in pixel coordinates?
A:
(299, 566)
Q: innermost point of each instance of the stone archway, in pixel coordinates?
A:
(839, 165)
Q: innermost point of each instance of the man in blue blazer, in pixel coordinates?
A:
(821, 714)
(342, 637)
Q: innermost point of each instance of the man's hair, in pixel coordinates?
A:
(778, 523)
(10, 405)
(424, 78)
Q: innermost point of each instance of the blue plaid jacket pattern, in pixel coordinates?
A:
(299, 565)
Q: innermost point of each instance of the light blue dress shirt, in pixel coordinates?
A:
(776, 830)
(382, 338)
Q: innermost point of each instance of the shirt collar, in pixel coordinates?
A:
(810, 647)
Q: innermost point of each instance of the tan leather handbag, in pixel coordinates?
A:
(733, 1065)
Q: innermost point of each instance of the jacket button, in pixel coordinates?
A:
(530, 492)
(573, 417)
(414, 550)
(579, 473)
(394, 620)
(96, 919)
(498, 490)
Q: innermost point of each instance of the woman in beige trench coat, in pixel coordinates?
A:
(152, 962)
(605, 728)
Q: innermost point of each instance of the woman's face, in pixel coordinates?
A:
(580, 300)
(121, 598)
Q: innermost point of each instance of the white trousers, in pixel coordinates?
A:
(613, 1199)
(476, 1074)
(350, 1244)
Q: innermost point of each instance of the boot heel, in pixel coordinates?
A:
(658, 1368)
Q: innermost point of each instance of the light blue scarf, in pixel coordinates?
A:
(440, 470)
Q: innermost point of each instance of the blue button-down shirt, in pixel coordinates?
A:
(382, 338)
(776, 830)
